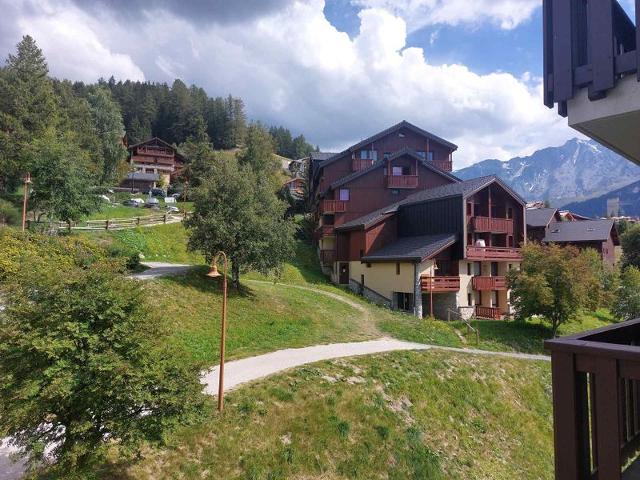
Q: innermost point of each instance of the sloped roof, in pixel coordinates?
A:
(383, 133)
(583, 231)
(461, 189)
(540, 217)
(160, 141)
(412, 249)
(405, 151)
(144, 177)
(321, 156)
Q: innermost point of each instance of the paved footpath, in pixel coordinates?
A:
(161, 269)
(245, 370)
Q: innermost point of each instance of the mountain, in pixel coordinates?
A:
(578, 170)
(628, 200)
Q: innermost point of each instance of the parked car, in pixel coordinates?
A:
(172, 209)
(152, 203)
(157, 192)
(133, 202)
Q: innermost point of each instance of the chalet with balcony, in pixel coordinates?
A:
(592, 70)
(443, 248)
(154, 163)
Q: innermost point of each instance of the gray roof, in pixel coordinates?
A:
(378, 164)
(144, 177)
(412, 249)
(387, 131)
(582, 231)
(540, 217)
(321, 156)
(462, 189)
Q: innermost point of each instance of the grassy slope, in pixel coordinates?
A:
(404, 415)
(262, 317)
(121, 211)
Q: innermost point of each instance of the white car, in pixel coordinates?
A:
(172, 209)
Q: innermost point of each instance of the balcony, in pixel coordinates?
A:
(492, 313)
(157, 151)
(493, 225)
(325, 230)
(333, 206)
(591, 70)
(402, 181)
(358, 164)
(440, 284)
(327, 257)
(489, 283)
(493, 253)
(596, 402)
(445, 165)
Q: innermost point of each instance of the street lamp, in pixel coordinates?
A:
(27, 181)
(223, 329)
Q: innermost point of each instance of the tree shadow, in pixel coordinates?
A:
(197, 279)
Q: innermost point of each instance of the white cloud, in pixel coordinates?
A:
(292, 67)
(69, 41)
(507, 14)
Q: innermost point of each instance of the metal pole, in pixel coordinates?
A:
(223, 334)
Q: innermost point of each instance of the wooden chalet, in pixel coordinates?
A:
(395, 225)
(154, 163)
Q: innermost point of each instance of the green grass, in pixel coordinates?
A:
(108, 211)
(261, 318)
(162, 243)
(405, 415)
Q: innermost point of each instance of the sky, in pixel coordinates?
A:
(337, 71)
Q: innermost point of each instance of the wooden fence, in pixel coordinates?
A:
(116, 223)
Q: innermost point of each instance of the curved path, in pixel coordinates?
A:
(161, 269)
(245, 370)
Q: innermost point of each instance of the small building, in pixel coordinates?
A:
(154, 157)
(140, 181)
(296, 187)
(600, 235)
(538, 221)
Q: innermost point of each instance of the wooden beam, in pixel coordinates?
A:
(638, 39)
(547, 28)
(607, 419)
(600, 21)
(562, 50)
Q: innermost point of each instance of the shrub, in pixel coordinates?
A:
(83, 365)
(627, 303)
(9, 215)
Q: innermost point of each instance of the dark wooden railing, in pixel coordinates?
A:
(489, 283)
(161, 151)
(333, 206)
(440, 284)
(492, 313)
(446, 165)
(327, 257)
(493, 253)
(587, 43)
(596, 401)
(325, 230)
(358, 164)
(494, 225)
(402, 181)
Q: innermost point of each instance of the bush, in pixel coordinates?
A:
(9, 214)
(627, 304)
(83, 365)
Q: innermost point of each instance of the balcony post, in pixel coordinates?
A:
(569, 415)
(601, 47)
(607, 418)
(417, 291)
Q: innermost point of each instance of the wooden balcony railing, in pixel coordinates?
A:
(493, 225)
(493, 253)
(358, 164)
(324, 230)
(446, 165)
(159, 151)
(402, 181)
(492, 313)
(596, 401)
(440, 284)
(333, 206)
(489, 283)
(327, 257)
(587, 44)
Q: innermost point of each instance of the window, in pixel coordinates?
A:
(363, 154)
(494, 269)
(510, 241)
(344, 194)
(477, 268)
(395, 192)
(369, 155)
(510, 212)
(469, 299)
(396, 171)
(397, 268)
(404, 301)
(421, 154)
(469, 268)
(386, 155)
(430, 156)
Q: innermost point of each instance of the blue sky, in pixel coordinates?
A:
(336, 71)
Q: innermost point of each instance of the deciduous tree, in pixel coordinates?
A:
(630, 241)
(627, 303)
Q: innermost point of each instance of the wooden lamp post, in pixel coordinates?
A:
(223, 329)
